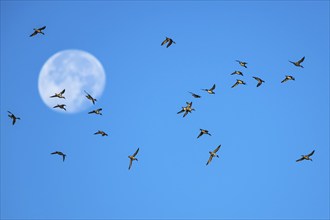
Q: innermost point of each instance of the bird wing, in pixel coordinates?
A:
(164, 42)
(216, 150)
(56, 152)
(301, 60)
(235, 85)
(284, 80)
(169, 43)
(91, 112)
(130, 164)
(62, 92)
(238, 61)
(184, 115)
(136, 152)
(42, 28)
(34, 33)
(209, 161)
(213, 87)
(100, 109)
(300, 159)
(14, 120)
(63, 157)
(200, 134)
(311, 153)
(181, 111)
(259, 83)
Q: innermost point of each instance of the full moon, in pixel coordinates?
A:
(75, 71)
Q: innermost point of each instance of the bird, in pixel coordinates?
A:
(260, 81)
(62, 106)
(237, 73)
(60, 153)
(132, 157)
(59, 95)
(187, 109)
(97, 111)
(242, 63)
(210, 91)
(213, 154)
(38, 31)
(298, 63)
(306, 157)
(287, 78)
(101, 133)
(195, 95)
(88, 96)
(169, 41)
(13, 117)
(203, 131)
(238, 81)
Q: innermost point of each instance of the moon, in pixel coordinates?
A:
(76, 71)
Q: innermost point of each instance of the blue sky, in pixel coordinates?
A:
(262, 130)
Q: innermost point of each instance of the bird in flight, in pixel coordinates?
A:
(213, 154)
(88, 96)
(59, 95)
(260, 81)
(243, 64)
(38, 31)
(97, 111)
(186, 109)
(195, 95)
(210, 91)
(101, 133)
(169, 41)
(62, 106)
(203, 131)
(237, 73)
(132, 157)
(298, 63)
(306, 157)
(13, 117)
(287, 78)
(60, 153)
(238, 81)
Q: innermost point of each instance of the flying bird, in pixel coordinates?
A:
(62, 106)
(306, 157)
(243, 64)
(60, 153)
(260, 81)
(101, 133)
(132, 157)
(59, 95)
(213, 154)
(38, 31)
(202, 132)
(88, 96)
(187, 109)
(13, 117)
(238, 81)
(97, 111)
(237, 73)
(169, 41)
(298, 63)
(210, 91)
(195, 95)
(287, 78)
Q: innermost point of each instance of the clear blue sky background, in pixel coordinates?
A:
(262, 130)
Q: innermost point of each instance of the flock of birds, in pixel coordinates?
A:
(186, 109)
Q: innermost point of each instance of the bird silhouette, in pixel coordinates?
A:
(213, 154)
(60, 153)
(195, 95)
(62, 106)
(237, 73)
(101, 133)
(306, 157)
(243, 64)
(169, 41)
(38, 31)
(13, 117)
(132, 158)
(210, 91)
(88, 96)
(202, 132)
(187, 109)
(59, 95)
(96, 111)
(238, 81)
(287, 78)
(260, 81)
(298, 63)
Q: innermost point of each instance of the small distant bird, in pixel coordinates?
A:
(203, 131)
(60, 153)
(169, 41)
(260, 81)
(13, 117)
(242, 63)
(195, 95)
(59, 95)
(38, 31)
(62, 106)
(97, 111)
(210, 91)
(186, 109)
(213, 154)
(306, 157)
(298, 63)
(132, 157)
(238, 81)
(101, 133)
(88, 96)
(237, 73)
(287, 78)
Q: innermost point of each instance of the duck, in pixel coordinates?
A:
(59, 95)
(237, 73)
(88, 96)
(213, 154)
(243, 64)
(195, 95)
(287, 78)
(169, 41)
(238, 81)
(60, 153)
(187, 109)
(97, 111)
(13, 117)
(132, 158)
(202, 132)
(210, 91)
(62, 106)
(260, 81)
(38, 31)
(101, 133)
(298, 63)
(306, 157)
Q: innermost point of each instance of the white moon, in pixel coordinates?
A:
(74, 71)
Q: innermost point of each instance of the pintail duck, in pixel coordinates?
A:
(101, 133)
(186, 109)
(132, 157)
(13, 117)
(306, 157)
(287, 78)
(260, 81)
(60, 153)
(62, 106)
(97, 111)
(203, 131)
(195, 95)
(38, 31)
(213, 154)
(237, 73)
(210, 91)
(238, 81)
(88, 96)
(59, 95)
(169, 41)
(243, 64)
(298, 63)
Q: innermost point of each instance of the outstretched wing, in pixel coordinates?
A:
(56, 152)
(235, 85)
(185, 114)
(213, 87)
(130, 164)
(164, 42)
(136, 152)
(216, 150)
(63, 157)
(300, 159)
(169, 43)
(62, 92)
(284, 80)
(200, 134)
(34, 33)
(14, 120)
(209, 161)
(42, 28)
(311, 153)
(259, 83)
(301, 60)
(100, 109)
(181, 111)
